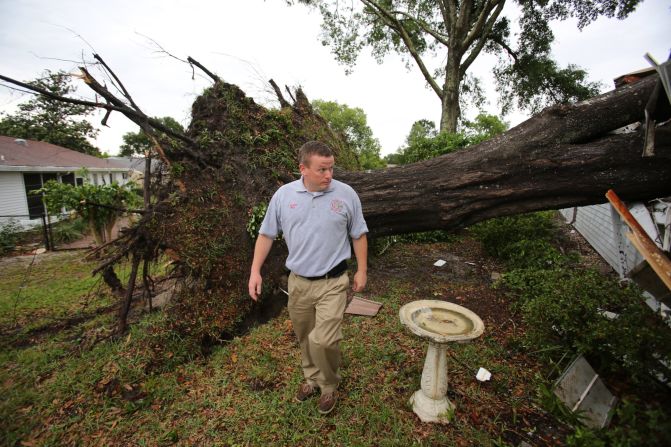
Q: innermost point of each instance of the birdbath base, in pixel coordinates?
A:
(430, 402)
(432, 410)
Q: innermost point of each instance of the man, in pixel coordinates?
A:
(316, 215)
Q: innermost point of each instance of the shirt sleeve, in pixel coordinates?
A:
(272, 222)
(357, 225)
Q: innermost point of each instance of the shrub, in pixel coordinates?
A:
(497, 235)
(68, 230)
(565, 307)
(9, 235)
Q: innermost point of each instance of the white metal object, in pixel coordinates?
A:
(582, 390)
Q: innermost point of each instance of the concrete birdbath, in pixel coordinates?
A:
(440, 323)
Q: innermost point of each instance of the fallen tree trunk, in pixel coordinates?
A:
(565, 156)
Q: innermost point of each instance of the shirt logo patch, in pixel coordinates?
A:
(293, 205)
(337, 206)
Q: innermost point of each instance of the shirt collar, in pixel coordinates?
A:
(300, 187)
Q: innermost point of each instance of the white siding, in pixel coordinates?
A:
(595, 224)
(12, 194)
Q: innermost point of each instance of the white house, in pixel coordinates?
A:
(25, 165)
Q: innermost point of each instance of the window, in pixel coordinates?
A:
(68, 178)
(49, 176)
(36, 181)
(33, 182)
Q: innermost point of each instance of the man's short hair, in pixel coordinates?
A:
(313, 148)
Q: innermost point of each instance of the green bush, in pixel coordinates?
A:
(524, 241)
(564, 307)
(68, 230)
(636, 424)
(9, 235)
(497, 235)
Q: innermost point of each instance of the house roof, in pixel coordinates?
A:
(28, 155)
(136, 163)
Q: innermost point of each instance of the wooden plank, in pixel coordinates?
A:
(658, 261)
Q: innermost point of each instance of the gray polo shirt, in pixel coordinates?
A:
(315, 225)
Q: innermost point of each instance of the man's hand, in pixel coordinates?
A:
(361, 252)
(360, 279)
(255, 282)
(261, 250)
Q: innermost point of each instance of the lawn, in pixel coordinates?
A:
(65, 382)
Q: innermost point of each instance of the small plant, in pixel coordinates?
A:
(9, 235)
(256, 216)
(68, 230)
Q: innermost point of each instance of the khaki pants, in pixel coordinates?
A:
(316, 310)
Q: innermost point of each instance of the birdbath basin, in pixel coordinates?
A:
(440, 323)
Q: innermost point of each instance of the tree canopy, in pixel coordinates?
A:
(462, 30)
(54, 122)
(424, 141)
(138, 143)
(353, 124)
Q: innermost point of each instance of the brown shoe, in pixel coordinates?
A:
(305, 391)
(327, 402)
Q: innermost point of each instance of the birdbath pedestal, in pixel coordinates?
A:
(440, 323)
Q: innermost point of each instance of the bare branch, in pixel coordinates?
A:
(484, 35)
(118, 81)
(138, 117)
(192, 61)
(37, 90)
(161, 49)
(278, 92)
(395, 25)
(484, 20)
(440, 37)
(115, 208)
(293, 98)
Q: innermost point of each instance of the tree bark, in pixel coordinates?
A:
(128, 298)
(450, 100)
(565, 156)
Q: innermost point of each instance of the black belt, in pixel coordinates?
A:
(333, 273)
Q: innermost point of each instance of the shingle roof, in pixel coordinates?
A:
(15, 153)
(136, 163)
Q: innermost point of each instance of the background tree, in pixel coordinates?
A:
(54, 122)
(138, 143)
(425, 142)
(353, 124)
(461, 30)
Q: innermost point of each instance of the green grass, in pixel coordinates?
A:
(153, 388)
(50, 288)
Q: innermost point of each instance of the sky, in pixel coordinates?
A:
(248, 42)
